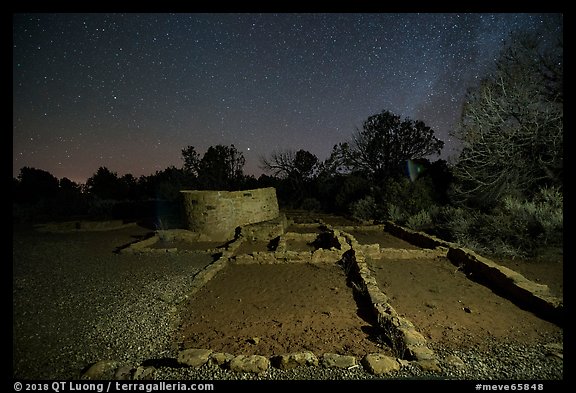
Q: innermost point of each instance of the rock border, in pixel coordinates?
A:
(374, 363)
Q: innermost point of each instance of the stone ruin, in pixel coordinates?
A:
(254, 214)
(218, 214)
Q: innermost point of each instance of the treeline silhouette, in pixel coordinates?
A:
(39, 196)
(305, 184)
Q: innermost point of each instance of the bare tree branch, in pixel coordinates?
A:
(512, 127)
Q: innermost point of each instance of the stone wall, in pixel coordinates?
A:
(217, 214)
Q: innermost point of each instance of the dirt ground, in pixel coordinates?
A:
(450, 309)
(275, 309)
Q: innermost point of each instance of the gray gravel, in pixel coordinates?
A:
(76, 302)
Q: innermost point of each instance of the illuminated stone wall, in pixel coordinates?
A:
(217, 214)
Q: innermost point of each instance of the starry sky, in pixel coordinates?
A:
(130, 91)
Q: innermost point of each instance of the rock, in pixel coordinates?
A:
(376, 363)
(249, 363)
(413, 338)
(144, 373)
(556, 347)
(429, 365)
(124, 373)
(454, 360)
(220, 358)
(422, 353)
(555, 350)
(104, 369)
(194, 357)
(403, 362)
(291, 360)
(254, 340)
(556, 354)
(338, 361)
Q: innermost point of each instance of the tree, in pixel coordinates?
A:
(45, 197)
(35, 185)
(167, 184)
(68, 185)
(384, 144)
(129, 187)
(104, 184)
(221, 167)
(335, 165)
(285, 164)
(512, 123)
(71, 200)
(296, 168)
(191, 160)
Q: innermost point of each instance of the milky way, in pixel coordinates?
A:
(130, 91)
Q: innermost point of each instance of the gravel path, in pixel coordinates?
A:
(76, 302)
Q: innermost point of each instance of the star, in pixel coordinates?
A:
(138, 88)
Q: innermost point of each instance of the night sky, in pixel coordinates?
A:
(130, 91)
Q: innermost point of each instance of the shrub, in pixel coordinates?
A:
(453, 223)
(420, 221)
(408, 198)
(539, 221)
(348, 190)
(515, 228)
(396, 214)
(364, 209)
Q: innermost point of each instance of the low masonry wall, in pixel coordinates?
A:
(406, 341)
(512, 285)
(218, 214)
(265, 230)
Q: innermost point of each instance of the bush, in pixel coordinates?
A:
(364, 209)
(347, 191)
(453, 223)
(515, 228)
(407, 198)
(420, 221)
(396, 214)
(538, 222)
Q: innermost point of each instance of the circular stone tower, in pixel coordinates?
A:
(217, 214)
